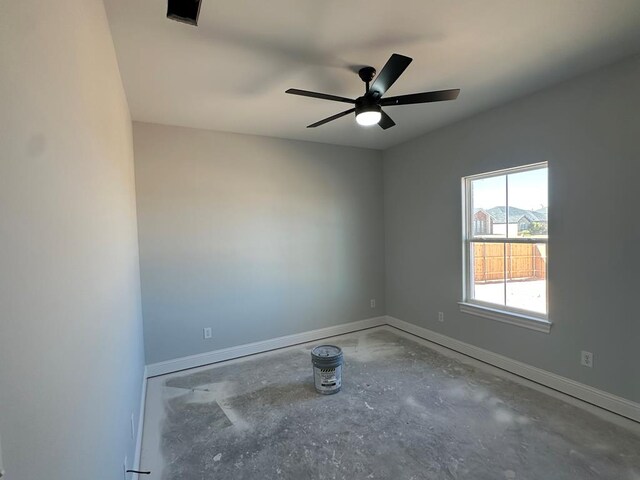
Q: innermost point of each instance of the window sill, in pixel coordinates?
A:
(519, 319)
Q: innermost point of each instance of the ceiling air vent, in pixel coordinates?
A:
(185, 11)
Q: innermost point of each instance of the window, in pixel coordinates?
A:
(505, 245)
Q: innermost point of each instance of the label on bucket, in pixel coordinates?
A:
(328, 379)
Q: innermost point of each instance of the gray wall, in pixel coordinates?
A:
(71, 350)
(588, 130)
(255, 237)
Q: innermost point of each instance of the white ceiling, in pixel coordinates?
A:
(230, 72)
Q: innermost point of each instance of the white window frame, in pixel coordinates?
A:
(502, 313)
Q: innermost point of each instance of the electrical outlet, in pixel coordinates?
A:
(586, 359)
(207, 333)
(441, 316)
(373, 303)
(124, 468)
(133, 428)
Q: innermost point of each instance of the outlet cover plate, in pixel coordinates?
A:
(586, 359)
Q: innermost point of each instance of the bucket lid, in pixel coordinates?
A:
(325, 352)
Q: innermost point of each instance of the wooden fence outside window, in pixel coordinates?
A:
(524, 261)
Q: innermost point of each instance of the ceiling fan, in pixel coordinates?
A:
(368, 108)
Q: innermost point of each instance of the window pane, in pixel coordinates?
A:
(487, 265)
(526, 272)
(501, 207)
(528, 203)
(488, 204)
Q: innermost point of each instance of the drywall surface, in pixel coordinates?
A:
(254, 237)
(588, 130)
(71, 349)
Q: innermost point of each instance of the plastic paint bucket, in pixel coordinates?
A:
(327, 368)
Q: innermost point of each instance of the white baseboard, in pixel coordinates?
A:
(216, 356)
(600, 398)
(140, 428)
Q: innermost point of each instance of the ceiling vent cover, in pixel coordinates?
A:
(185, 11)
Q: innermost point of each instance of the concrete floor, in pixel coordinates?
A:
(407, 410)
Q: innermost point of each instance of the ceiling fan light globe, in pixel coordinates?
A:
(368, 118)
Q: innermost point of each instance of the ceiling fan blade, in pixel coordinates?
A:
(322, 96)
(386, 122)
(424, 97)
(331, 118)
(389, 74)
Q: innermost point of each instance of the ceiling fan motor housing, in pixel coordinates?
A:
(367, 104)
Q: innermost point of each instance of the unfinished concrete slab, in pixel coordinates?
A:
(406, 411)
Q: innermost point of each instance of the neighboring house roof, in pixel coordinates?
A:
(478, 210)
(515, 214)
(542, 213)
